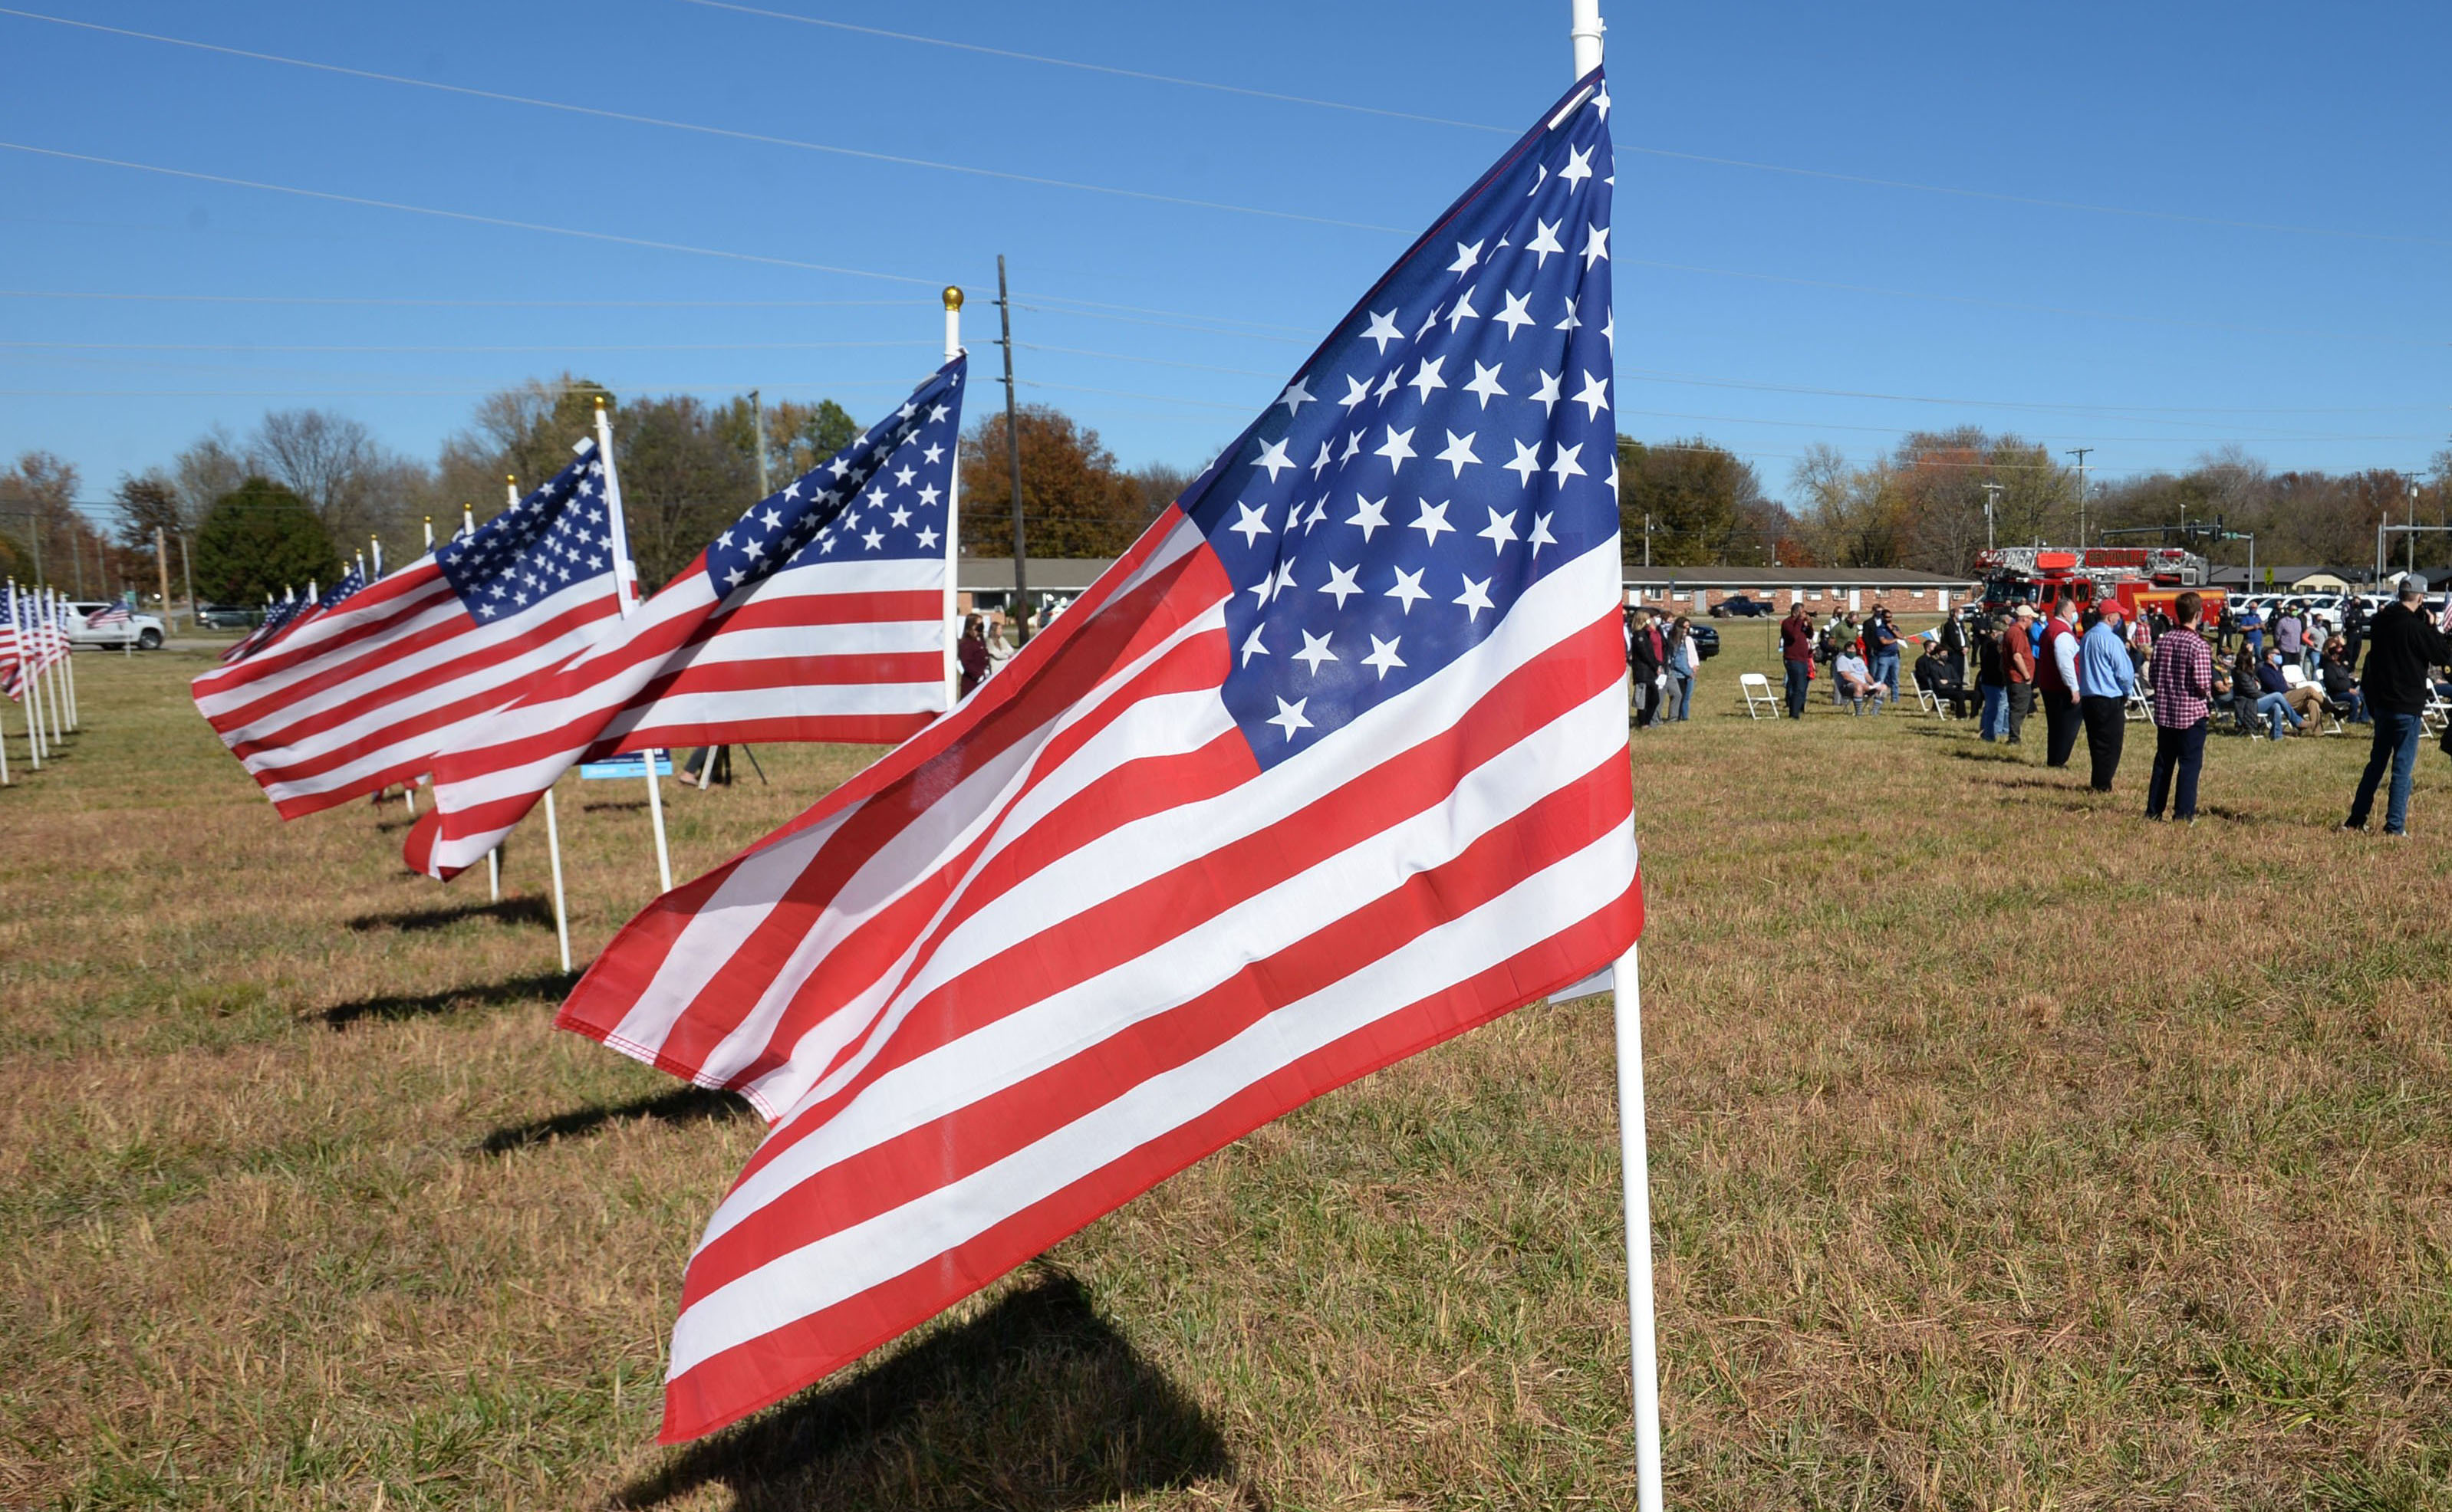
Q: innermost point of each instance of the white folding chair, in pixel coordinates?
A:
(2138, 707)
(1759, 695)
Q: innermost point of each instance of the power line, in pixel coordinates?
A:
(614, 238)
(2032, 309)
(1655, 376)
(632, 118)
(1101, 68)
(1912, 430)
(1127, 357)
(475, 304)
(1994, 196)
(271, 346)
(465, 215)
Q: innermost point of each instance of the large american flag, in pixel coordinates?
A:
(357, 695)
(818, 614)
(1330, 767)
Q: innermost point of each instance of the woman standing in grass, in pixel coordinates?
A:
(1681, 666)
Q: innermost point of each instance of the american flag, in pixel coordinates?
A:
(276, 618)
(818, 614)
(357, 695)
(109, 615)
(1330, 767)
(16, 637)
(36, 638)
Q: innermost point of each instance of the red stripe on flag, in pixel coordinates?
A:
(762, 1371)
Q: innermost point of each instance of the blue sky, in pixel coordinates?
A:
(1766, 309)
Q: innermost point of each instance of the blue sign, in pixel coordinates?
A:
(633, 766)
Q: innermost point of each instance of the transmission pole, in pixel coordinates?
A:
(1991, 506)
(1647, 540)
(2079, 452)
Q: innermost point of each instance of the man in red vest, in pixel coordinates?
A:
(2056, 678)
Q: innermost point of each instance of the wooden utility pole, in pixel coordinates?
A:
(1013, 456)
(758, 433)
(162, 568)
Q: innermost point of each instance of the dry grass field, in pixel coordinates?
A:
(2007, 1152)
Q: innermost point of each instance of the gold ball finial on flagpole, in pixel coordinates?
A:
(953, 297)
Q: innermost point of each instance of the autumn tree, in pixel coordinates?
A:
(1704, 503)
(1076, 503)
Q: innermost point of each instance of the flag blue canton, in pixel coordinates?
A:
(558, 536)
(1442, 451)
(883, 497)
(350, 582)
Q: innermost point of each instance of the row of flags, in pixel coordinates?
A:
(35, 672)
(1330, 767)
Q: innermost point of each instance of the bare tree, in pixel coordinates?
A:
(211, 466)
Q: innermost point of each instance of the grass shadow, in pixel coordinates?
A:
(541, 987)
(408, 921)
(614, 806)
(1038, 1405)
(686, 1105)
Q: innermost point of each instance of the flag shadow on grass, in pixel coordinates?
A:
(688, 1104)
(544, 988)
(510, 911)
(1036, 1405)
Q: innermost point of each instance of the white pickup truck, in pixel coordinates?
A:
(144, 630)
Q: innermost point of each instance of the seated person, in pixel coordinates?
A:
(2278, 700)
(1856, 682)
(2340, 688)
(1934, 675)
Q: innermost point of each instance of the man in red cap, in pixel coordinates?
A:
(2106, 678)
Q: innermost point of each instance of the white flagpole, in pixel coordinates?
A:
(375, 544)
(19, 630)
(553, 847)
(494, 856)
(1585, 29)
(1634, 1163)
(430, 532)
(953, 511)
(53, 709)
(67, 658)
(624, 590)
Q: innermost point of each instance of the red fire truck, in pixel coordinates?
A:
(2139, 578)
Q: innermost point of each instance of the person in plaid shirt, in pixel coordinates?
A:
(2182, 680)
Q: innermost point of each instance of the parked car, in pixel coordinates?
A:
(1737, 606)
(1706, 638)
(144, 630)
(228, 617)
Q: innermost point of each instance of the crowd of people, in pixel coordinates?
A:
(1663, 659)
(2088, 666)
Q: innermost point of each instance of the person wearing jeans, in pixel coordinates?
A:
(2403, 650)
(1796, 657)
(2183, 678)
(2273, 708)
